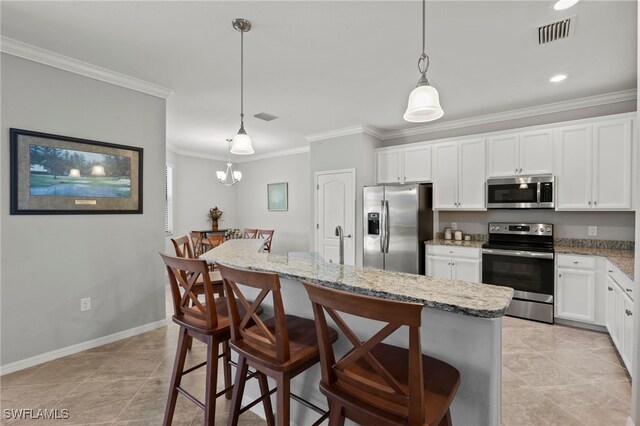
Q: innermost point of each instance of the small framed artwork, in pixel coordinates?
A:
(277, 200)
(52, 174)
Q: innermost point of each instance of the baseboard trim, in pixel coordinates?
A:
(578, 324)
(79, 347)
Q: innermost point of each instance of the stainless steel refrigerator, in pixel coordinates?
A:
(397, 220)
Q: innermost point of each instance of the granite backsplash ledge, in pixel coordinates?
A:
(600, 244)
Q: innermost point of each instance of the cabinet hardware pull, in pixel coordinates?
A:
(515, 171)
(610, 271)
(520, 171)
(405, 178)
(575, 262)
(609, 288)
(628, 312)
(452, 264)
(449, 263)
(589, 202)
(560, 275)
(628, 290)
(595, 203)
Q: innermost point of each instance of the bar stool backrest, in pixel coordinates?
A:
(214, 240)
(182, 247)
(183, 274)
(251, 330)
(373, 383)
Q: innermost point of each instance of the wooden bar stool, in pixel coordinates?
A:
(267, 235)
(196, 240)
(183, 249)
(206, 321)
(281, 347)
(376, 383)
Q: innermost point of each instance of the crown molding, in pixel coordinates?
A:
(335, 133)
(56, 60)
(274, 154)
(590, 101)
(237, 159)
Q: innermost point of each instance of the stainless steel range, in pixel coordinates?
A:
(520, 255)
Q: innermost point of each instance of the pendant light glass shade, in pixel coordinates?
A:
(241, 144)
(423, 105)
(424, 101)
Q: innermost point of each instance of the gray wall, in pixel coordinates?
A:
(345, 152)
(50, 262)
(291, 226)
(611, 225)
(196, 190)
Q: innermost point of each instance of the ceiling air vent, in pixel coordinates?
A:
(265, 116)
(556, 30)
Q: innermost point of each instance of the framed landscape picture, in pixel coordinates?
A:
(52, 174)
(277, 197)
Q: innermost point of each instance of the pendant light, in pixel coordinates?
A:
(424, 102)
(242, 142)
(229, 176)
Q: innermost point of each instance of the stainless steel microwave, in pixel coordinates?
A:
(521, 192)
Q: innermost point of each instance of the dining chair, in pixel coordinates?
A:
(281, 347)
(212, 241)
(267, 235)
(196, 241)
(249, 233)
(375, 383)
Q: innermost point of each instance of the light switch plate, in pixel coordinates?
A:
(593, 231)
(85, 304)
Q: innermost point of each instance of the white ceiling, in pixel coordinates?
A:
(326, 65)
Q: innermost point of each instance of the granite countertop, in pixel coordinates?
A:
(443, 242)
(619, 253)
(478, 300)
(623, 259)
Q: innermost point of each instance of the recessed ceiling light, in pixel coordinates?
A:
(564, 4)
(557, 78)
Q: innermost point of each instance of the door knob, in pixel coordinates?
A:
(348, 236)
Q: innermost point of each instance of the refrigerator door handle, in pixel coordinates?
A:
(382, 226)
(386, 226)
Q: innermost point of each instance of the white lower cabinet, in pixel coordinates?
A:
(453, 263)
(576, 288)
(620, 313)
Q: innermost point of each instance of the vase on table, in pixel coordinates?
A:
(214, 225)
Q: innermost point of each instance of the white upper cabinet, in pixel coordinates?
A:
(612, 165)
(503, 155)
(404, 165)
(417, 164)
(445, 176)
(536, 152)
(388, 166)
(594, 166)
(459, 175)
(526, 153)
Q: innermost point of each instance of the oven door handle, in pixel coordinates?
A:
(518, 253)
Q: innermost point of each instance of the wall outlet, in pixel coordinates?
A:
(85, 304)
(454, 226)
(593, 231)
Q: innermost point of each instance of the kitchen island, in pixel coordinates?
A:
(461, 322)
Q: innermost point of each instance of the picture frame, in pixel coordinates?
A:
(277, 197)
(54, 174)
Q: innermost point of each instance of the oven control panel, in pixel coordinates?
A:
(521, 228)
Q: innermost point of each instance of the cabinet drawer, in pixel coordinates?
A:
(576, 261)
(614, 273)
(451, 251)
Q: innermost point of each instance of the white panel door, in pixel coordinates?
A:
(335, 205)
(417, 164)
(573, 188)
(503, 155)
(536, 152)
(388, 165)
(445, 176)
(438, 267)
(612, 162)
(465, 270)
(472, 176)
(576, 294)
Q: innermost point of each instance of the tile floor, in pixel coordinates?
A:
(552, 375)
